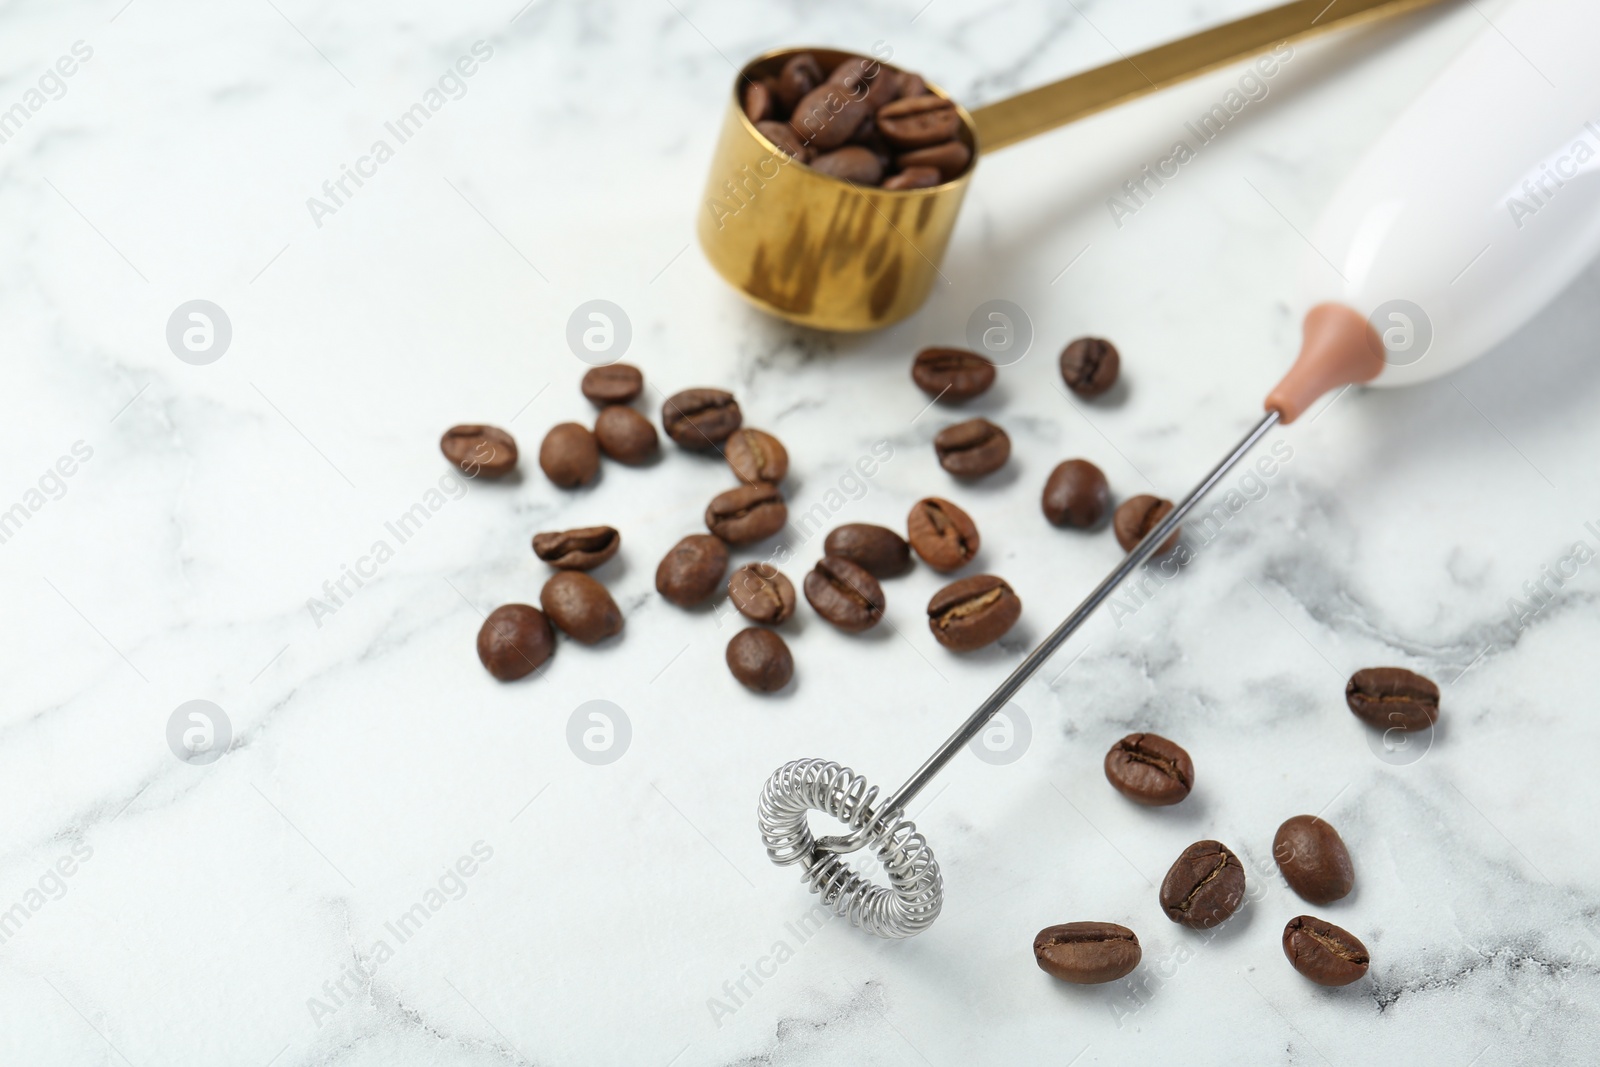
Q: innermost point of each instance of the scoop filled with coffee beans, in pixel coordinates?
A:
(838, 176)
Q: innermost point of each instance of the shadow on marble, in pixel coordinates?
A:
(1112, 399)
(1232, 929)
(612, 570)
(999, 481)
(1516, 396)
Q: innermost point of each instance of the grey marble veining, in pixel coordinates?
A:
(264, 908)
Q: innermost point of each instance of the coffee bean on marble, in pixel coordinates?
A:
(1204, 886)
(1149, 769)
(844, 594)
(582, 549)
(515, 640)
(615, 383)
(878, 550)
(625, 435)
(580, 606)
(800, 74)
(1076, 494)
(761, 592)
(479, 451)
(1137, 516)
(972, 448)
(569, 455)
(757, 102)
(942, 534)
(781, 135)
(1087, 953)
(914, 178)
(973, 612)
(1327, 954)
(1393, 698)
(918, 121)
(747, 514)
(852, 163)
(952, 374)
(949, 159)
(760, 659)
(756, 456)
(1089, 366)
(1313, 859)
(692, 570)
(700, 419)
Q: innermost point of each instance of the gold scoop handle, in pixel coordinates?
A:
(1005, 122)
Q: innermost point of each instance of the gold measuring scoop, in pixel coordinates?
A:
(827, 254)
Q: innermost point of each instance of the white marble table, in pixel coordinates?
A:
(161, 912)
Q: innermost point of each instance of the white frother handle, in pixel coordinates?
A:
(1481, 203)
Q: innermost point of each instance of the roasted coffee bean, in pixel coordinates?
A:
(949, 159)
(1313, 859)
(756, 456)
(1137, 516)
(761, 592)
(844, 594)
(785, 138)
(869, 79)
(581, 606)
(973, 612)
(827, 116)
(569, 455)
(914, 178)
(852, 163)
(479, 451)
(1086, 953)
(942, 534)
(1149, 769)
(1393, 698)
(582, 549)
(1323, 952)
(692, 570)
(515, 640)
(747, 514)
(1089, 366)
(973, 448)
(912, 133)
(700, 418)
(1076, 494)
(615, 383)
(951, 374)
(760, 660)
(800, 75)
(918, 121)
(757, 102)
(624, 434)
(879, 551)
(1204, 887)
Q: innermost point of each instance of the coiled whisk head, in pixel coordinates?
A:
(910, 902)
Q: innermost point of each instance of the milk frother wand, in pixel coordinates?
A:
(1472, 211)
(1341, 349)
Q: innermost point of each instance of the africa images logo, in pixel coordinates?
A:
(452, 85)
